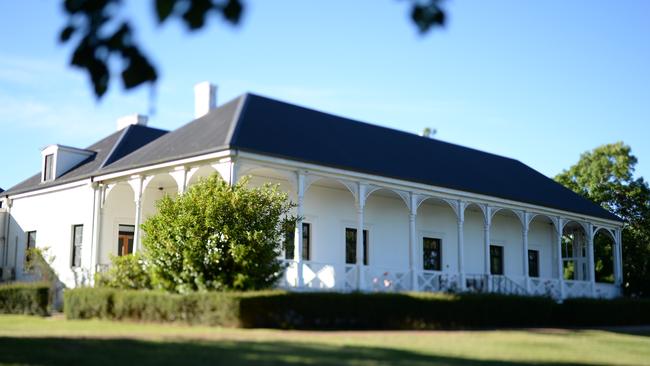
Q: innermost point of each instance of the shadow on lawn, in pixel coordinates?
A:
(70, 351)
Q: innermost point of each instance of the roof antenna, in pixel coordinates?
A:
(429, 132)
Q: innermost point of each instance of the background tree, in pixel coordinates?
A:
(101, 35)
(605, 175)
(217, 237)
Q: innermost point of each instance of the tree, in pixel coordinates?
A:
(217, 237)
(101, 36)
(605, 175)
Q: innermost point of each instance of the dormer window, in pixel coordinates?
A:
(48, 169)
(59, 159)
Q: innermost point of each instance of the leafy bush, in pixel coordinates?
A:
(25, 298)
(217, 237)
(126, 272)
(87, 303)
(208, 308)
(294, 310)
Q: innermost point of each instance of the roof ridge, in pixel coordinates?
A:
(233, 131)
(117, 143)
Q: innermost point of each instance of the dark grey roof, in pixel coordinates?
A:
(266, 126)
(204, 135)
(111, 148)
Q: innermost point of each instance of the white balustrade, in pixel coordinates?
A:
(577, 289)
(476, 283)
(607, 290)
(350, 283)
(318, 275)
(325, 276)
(289, 277)
(379, 279)
(545, 287)
(434, 281)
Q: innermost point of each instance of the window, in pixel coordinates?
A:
(31, 244)
(533, 263)
(77, 237)
(431, 254)
(496, 259)
(351, 246)
(306, 242)
(48, 169)
(289, 243)
(125, 239)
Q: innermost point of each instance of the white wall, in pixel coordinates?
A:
(438, 220)
(541, 236)
(52, 216)
(119, 209)
(506, 231)
(473, 241)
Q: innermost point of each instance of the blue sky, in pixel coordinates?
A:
(539, 81)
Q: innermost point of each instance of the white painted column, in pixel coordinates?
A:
(413, 242)
(461, 244)
(525, 229)
(180, 177)
(486, 237)
(361, 202)
(7, 224)
(299, 236)
(618, 260)
(591, 261)
(560, 262)
(138, 183)
(98, 190)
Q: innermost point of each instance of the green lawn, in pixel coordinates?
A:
(56, 341)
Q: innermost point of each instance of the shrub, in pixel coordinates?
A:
(294, 310)
(126, 272)
(208, 308)
(217, 237)
(25, 298)
(87, 303)
(594, 312)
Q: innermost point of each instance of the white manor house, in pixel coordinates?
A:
(381, 209)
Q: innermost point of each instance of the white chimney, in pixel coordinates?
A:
(205, 98)
(131, 119)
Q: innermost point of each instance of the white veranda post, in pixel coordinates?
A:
(461, 239)
(590, 258)
(97, 221)
(298, 248)
(560, 261)
(486, 237)
(413, 241)
(137, 185)
(525, 229)
(361, 201)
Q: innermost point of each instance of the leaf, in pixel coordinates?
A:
(195, 15)
(428, 15)
(66, 33)
(164, 9)
(138, 71)
(233, 11)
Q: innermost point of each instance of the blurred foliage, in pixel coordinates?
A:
(100, 34)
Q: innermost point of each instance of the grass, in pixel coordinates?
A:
(55, 341)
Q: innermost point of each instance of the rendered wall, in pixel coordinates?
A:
(52, 216)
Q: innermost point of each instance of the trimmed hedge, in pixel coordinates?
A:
(25, 298)
(292, 310)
